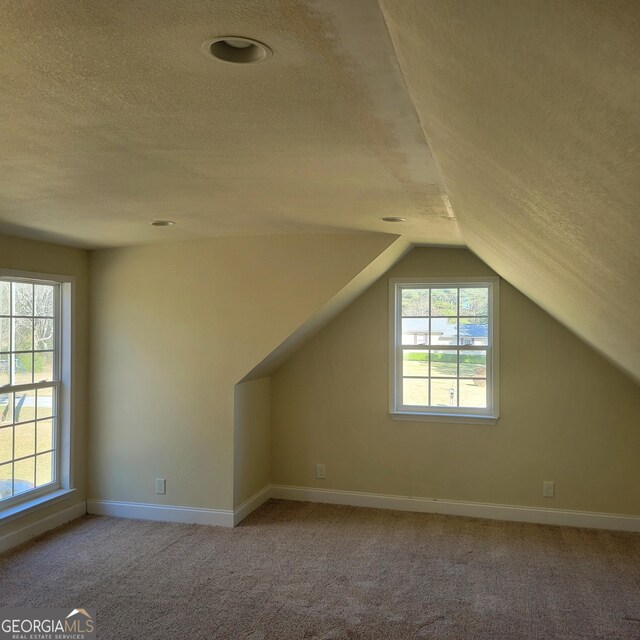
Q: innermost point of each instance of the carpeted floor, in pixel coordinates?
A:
(300, 570)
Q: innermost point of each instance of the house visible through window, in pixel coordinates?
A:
(444, 348)
(30, 387)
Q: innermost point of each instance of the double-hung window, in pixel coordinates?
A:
(31, 388)
(444, 349)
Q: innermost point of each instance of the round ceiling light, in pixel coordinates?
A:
(162, 223)
(393, 219)
(236, 49)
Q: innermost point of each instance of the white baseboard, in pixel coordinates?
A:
(34, 529)
(585, 519)
(160, 512)
(538, 515)
(250, 505)
(165, 513)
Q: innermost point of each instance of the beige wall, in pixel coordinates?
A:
(252, 439)
(40, 257)
(174, 328)
(567, 414)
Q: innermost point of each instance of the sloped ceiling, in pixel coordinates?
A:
(111, 116)
(532, 109)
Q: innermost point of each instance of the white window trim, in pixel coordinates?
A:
(65, 483)
(487, 416)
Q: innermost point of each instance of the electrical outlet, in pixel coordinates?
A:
(321, 472)
(549, 489)
(161, 485)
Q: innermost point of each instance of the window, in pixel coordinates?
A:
(34, 392)
(444, 350)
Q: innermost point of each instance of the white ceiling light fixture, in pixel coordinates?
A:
(393, 219)
(236, 49)
(162, 223)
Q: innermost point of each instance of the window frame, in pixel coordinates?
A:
(64, 309)
(466, 415)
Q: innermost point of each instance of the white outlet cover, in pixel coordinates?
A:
(548, 489)
(161, 486)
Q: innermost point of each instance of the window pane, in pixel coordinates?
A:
(444, 363)
(43, 294)
(42, 366)
(444, 331)
(5, 334)
(443, 393)
(6, 444)
(44, 439)
(5, 369)
(25, 439)
(42, 335)
(24, 368)
(415, 331)
(444, 302)
(44, 469)
(5, 298)
(415, 363)
(45, 400)
(415, 302)
(415, 391)
(23, 340)
(6, 473)
(474, 301)
(22, 299)
(473, 393)
(24, 406)
(474, 331)
(24, 475)
(473, 364)
(6, 408)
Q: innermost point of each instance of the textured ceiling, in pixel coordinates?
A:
(532, 109)
(111, 116)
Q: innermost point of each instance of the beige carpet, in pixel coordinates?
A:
(300, 570)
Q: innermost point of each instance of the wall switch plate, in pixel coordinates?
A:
(161, 485)
(549, 489)
(321, 472)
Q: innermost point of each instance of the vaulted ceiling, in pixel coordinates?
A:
(532, 109)
(511, 127)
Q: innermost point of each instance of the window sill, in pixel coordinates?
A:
(458, 418)
(23, 508)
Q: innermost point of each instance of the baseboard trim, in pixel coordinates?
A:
(584, 519)
(223, 518)
(251, 504)
(13, 539)
(160, 512)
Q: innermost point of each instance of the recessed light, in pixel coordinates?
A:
(236, 49)
(393, 219)
(162, 223)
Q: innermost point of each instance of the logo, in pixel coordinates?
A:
(47, 624)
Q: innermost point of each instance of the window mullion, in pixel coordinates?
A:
(458, 349)
(430, 349)
(18, 388)
(399, 381)
(33, 350)
(442, 347)
(12, 337)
